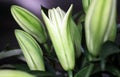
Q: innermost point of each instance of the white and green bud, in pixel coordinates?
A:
(31, 50)
(14, 73)
(86, 4)
(29, 22)
(58, 26)
(100, 24)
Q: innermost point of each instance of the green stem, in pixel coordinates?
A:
(46, 47)
(103, 64)
(89, 70)
(70, 74)
(91, 66)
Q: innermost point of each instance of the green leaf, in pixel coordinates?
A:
(14, 73)
(29, 22)
(21, 66)
(113, 70)
(31, 50)
(42, 74)
(79, 17)
(10, 53)
(85, 71)
(109, 48)
(76, 34)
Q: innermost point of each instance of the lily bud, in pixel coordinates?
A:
(31, 50)
(100, 24)
(58, 26)
(86, 4)
(29, 22)
(14, 73)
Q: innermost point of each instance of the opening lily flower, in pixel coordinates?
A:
(58, 26)
(100, 25)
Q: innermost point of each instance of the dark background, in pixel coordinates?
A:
(8, 24)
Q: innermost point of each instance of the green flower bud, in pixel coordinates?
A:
(86, 4)
(31, 50)
(100, 24)
(29, 22)
(58, 26)
(14, 73)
